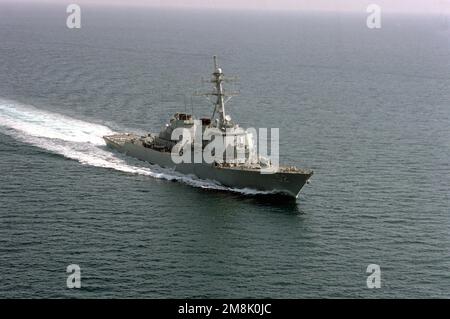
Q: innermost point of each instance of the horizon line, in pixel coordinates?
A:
(162, 5)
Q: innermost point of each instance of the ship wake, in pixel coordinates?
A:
(82, 141)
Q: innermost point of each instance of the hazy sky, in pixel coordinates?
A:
(407, 6)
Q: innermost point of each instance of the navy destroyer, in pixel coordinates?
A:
(184, 153)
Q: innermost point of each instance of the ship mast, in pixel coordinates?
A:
(217, 80)
(221, 97)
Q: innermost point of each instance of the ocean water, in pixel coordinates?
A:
(367, 110)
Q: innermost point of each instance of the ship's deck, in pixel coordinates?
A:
(281, 169)
(120, 139)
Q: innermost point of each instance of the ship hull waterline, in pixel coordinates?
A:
(280, 183)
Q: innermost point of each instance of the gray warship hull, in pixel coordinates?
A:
(284, 181)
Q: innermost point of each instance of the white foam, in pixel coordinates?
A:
(82, 141)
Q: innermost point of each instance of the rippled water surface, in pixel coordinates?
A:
(368, 110)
